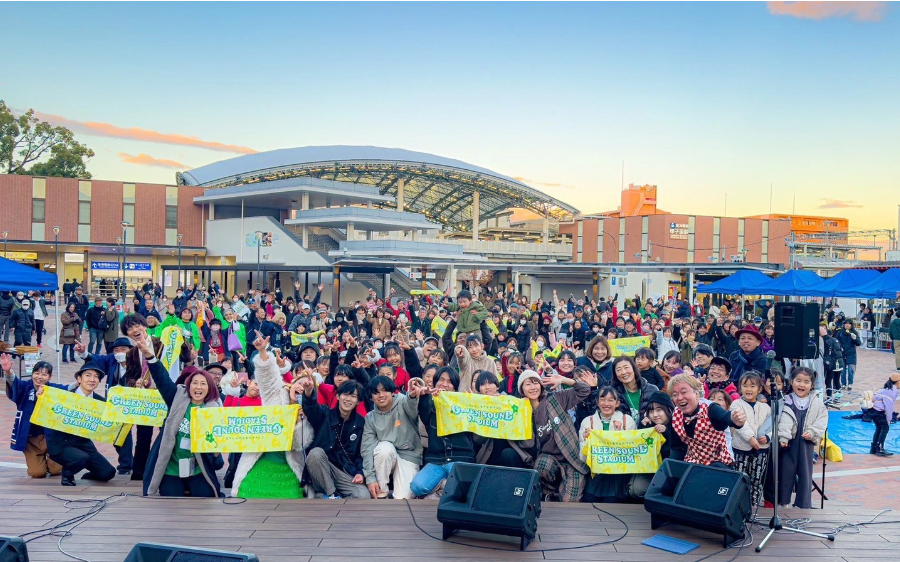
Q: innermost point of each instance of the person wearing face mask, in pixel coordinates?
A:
(22, 321)
(182, 297)
(75, 453)
(115, 367)
(523, 334)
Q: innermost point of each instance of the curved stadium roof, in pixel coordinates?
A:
(441, 188)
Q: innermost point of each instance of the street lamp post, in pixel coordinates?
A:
(180, 238)
(259, 236)
(124, 249)
(120, 294)
(5, 236)
(56, 306)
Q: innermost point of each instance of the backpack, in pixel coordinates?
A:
(103, 323)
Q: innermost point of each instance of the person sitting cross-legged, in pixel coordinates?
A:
(76, 453)
(391, 446)
(333, 462)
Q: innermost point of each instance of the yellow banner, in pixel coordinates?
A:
(75, 414)
(434, 292)
(438, 325)
(250, 429)
(172, 338)
(500, 417)
(627, 346)
(623, 452)
(138, 406)
(299, 339)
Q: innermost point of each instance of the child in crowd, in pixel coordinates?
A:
(722, 398)
(751, 442)
(881, 412)
(802, 425)
(645, 359)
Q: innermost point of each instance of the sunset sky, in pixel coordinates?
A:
(702, 99)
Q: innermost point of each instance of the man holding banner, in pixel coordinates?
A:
(75, 452)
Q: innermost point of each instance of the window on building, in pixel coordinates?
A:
(84, 212)
(171, 216)
(128, 213)
(37, 210)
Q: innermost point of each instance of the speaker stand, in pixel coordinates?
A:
(775, 523)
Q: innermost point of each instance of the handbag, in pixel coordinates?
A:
(234, 344)
(68, 332)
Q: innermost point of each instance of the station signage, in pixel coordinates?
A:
(115, 266)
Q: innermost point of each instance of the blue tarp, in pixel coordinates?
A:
(854, 437)
(847, 279)
(739, 283)
(788, 283)
(17, 277)
(885, 286)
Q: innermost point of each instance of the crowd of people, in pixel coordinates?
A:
(366, 376)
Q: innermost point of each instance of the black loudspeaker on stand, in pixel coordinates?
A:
(155, 552)
(13, 549)
(702, 497)
(491, 499)
(796, 330)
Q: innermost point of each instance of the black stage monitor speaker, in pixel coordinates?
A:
(703, 497)
(491, 499)
(155, 552)
(13, 549)
(796, 330)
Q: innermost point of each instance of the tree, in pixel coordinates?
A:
(27, 140)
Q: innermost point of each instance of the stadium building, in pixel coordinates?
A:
(355, 217)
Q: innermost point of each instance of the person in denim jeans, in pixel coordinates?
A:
(94, 315)
(442, 451)
(69, 332)
(849, 340)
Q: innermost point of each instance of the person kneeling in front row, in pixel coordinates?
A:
(77, 453)
(334, 463)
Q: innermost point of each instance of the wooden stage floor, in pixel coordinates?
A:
(355, 531)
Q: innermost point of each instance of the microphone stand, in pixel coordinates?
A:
(775, 523)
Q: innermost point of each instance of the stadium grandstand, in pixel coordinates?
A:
(452, 193)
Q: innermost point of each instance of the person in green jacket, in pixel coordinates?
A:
(185, 321)
(471, 313)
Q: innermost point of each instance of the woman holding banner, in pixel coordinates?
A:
(556, 438)
(274, 474)
(172, 470)
(441, 451)
(605, 488)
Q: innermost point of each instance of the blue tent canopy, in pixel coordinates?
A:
(17, 277)
(885, 286)
(788, 283)
(847, 279)
(741, 282)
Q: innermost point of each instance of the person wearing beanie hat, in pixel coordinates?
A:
(77, 453)
(749, 356)
(563, 473)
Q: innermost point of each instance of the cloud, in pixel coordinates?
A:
(138, 134)
(858, 11)
(147, 160)
(828, 203)
(537, 183)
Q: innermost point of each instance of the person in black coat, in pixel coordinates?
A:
(76, 453)
(849, 339)
(441, 450)
(22, 321)
(333, 461)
